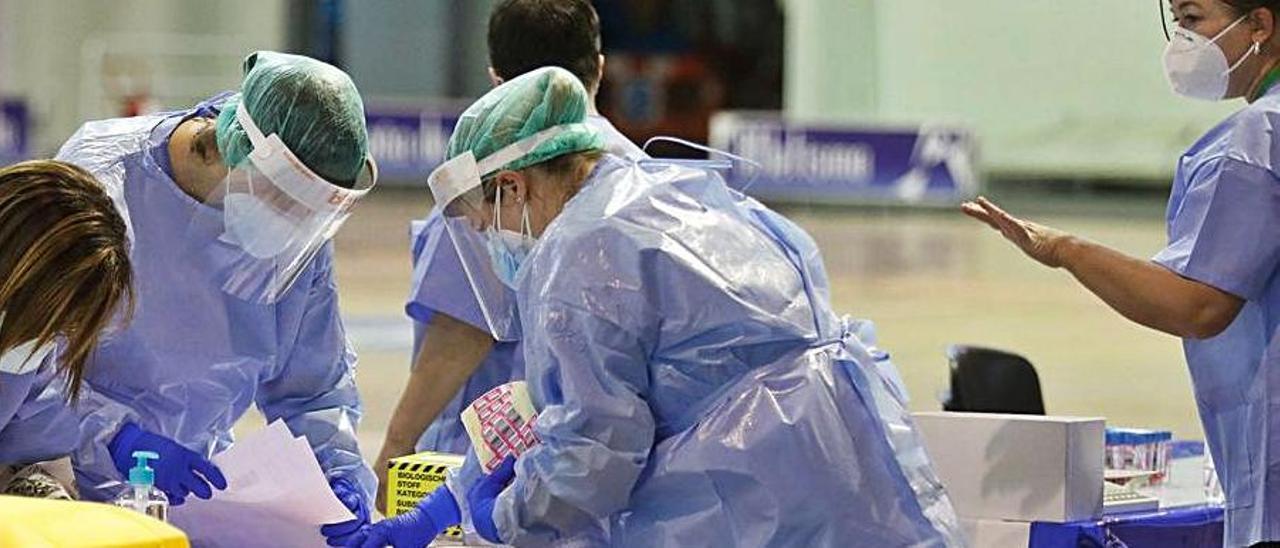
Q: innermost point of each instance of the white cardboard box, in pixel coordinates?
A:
(1017, 467)
(994, 533)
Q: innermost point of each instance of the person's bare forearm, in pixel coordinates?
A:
(450, 353)
(1148, 293)
(1140, 290)
(423, 398)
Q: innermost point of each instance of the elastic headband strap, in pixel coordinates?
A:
(255, 135)
(518, 149)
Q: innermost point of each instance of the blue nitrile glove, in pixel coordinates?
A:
(337, 534)
(179, 471)
(485, 493)
(414, 529)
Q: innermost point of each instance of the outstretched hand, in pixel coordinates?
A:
(1042, 243)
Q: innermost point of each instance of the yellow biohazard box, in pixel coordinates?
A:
(412, 477)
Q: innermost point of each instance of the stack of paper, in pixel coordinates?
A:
(276, 495)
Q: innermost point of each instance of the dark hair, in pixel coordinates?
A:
(528, 34)
(205, 142)
(64, 262)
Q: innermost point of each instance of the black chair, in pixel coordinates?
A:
(985, 380)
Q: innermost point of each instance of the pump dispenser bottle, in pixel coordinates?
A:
(142, 495)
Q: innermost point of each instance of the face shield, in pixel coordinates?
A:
(469, 207)
(276, 215)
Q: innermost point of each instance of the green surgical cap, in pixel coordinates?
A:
(535, 101)
(314, 108)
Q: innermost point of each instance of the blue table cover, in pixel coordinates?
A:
(1189, 526)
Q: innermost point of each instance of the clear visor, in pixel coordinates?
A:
(468, 207)
(468, 219)
(278, 214)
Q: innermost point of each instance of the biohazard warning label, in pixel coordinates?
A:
(413, 477)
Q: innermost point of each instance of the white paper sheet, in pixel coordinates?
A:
(276, 496)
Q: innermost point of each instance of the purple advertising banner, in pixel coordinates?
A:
(848, 164)
(408, 144)
(15, 124)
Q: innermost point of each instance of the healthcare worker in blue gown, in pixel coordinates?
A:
(232, 204)
(64, 274)
(456, 359)
(694, 387)
(1215, 285)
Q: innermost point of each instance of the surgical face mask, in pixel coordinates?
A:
(276, 216)
(508, 249)
(1196, 67)
(24, 358)
(256, 227)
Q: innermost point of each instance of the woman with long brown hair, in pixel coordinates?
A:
(64, 275)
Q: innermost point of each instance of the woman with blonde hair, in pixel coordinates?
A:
(64, 275)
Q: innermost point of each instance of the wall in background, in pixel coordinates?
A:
(1058, 89)
(75, 60)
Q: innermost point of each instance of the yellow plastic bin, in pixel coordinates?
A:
(38, 523)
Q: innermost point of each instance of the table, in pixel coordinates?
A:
(1189, 526)
(1184, 518)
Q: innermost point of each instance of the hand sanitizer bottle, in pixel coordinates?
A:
(143, 495)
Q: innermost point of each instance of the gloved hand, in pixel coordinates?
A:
(179, 471)
(337, 534)
(484, 494)
(414, 529)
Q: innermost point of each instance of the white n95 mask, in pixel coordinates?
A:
(1196, 67)
(24, 358)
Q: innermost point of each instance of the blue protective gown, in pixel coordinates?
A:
(1224, 231)
(695, 387)
(195, 358)
(35, 423)
(440, 285)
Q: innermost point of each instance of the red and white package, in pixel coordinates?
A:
(500, 423)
